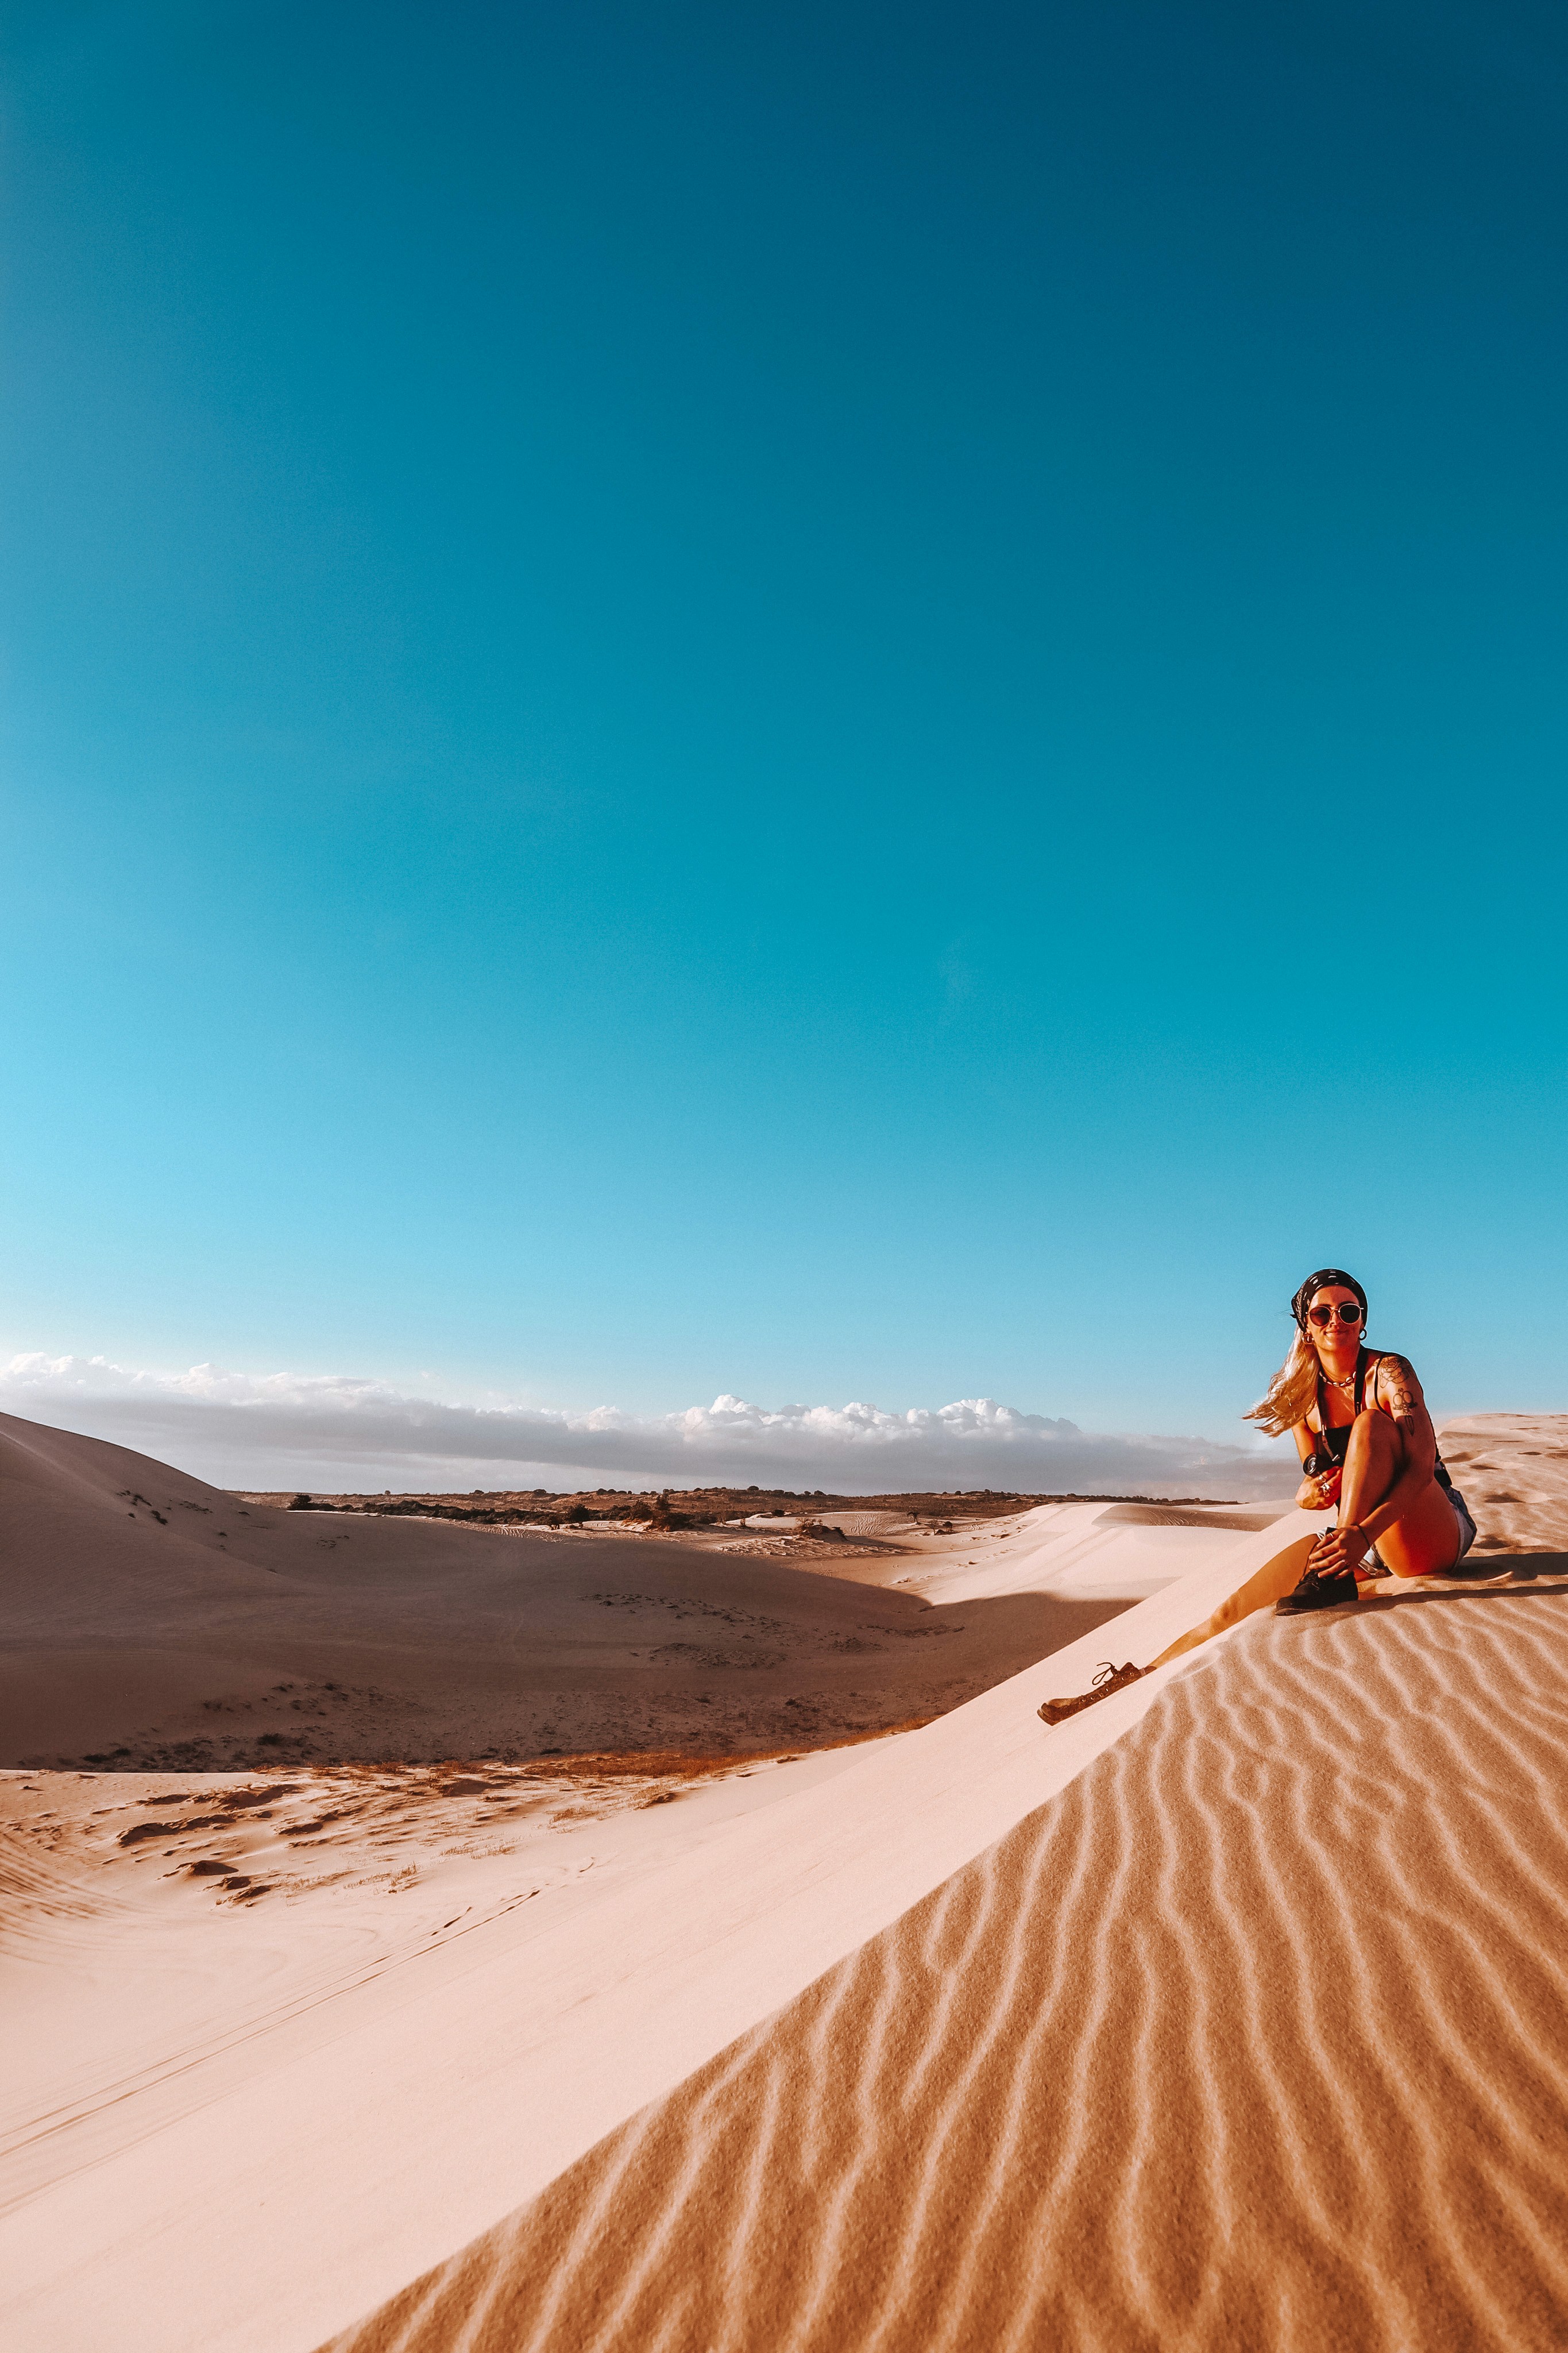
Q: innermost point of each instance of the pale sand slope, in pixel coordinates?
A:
(455, 1987)
(1253, 2037)
(1080, 1551)
(155, 1623)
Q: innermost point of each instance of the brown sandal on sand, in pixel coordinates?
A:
(1110, 1678)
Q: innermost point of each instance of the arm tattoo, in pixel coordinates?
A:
(1401, 1390)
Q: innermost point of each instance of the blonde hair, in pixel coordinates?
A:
(1291, 1393)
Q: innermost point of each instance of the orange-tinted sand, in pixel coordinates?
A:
(1254, 2037)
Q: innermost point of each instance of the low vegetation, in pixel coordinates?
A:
(671, 1509)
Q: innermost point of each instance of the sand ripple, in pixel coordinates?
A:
(1255, 2037)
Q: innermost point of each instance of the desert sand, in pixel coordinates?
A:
(1227, 2014)
(1253, 2037)
(151, 1622)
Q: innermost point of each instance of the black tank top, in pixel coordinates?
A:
(1335, 1441)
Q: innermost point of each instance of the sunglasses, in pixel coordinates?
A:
(1347, 1312)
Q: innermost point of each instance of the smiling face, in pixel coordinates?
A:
(1326, 1326)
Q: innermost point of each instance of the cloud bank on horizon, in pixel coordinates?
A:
(335, 1432)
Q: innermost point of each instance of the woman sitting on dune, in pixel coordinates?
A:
(1366, 1443)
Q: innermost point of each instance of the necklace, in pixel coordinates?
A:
(1348, 1382)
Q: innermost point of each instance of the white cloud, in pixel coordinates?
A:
(283, 1430)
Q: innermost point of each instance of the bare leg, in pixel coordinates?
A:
(1280, 1575)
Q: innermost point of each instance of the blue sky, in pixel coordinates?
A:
(821, 704)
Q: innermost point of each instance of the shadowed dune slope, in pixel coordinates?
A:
(150, 1622)
(1253, 2036)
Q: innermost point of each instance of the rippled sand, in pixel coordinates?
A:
(1253, 2037)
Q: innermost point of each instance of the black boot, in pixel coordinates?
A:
(1315, 1592)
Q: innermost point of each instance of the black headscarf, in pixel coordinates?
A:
(1314, 1283)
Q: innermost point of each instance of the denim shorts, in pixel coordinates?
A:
(1467, 1525)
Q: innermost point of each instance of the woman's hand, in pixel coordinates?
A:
(1318, 1495)
(1341, 1550)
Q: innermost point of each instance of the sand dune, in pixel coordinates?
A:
(150, 1622)
(446, 1995)
(1147, 2030)
(1251, 2037)
(1080, 1551)
(1513, 1470)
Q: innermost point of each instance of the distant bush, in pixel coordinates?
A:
(299, 1504)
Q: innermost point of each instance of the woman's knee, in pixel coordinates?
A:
(1375, 1430)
